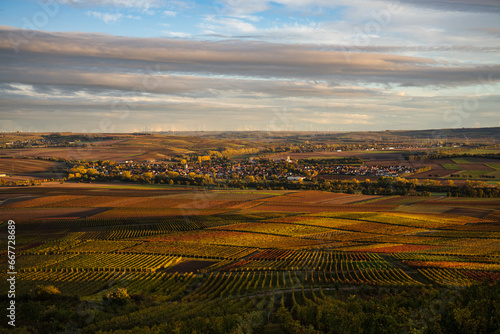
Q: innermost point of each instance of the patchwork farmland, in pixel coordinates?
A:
(247, 248)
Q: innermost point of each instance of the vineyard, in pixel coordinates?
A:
(246, 257)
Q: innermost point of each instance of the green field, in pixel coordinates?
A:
(494, 166)
(463, 160)
(451, 166)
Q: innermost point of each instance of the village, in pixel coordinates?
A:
(247, 169)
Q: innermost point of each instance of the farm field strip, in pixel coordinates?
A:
(452, 264)
(324, 240)
(442, 257)
(281, 229)
(447, 277)
(451, 166)
(87, 283)
(193, 249)
(360, 226)
(234, 283)
(118, 261)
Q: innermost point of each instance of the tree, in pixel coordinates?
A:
(92, 172)
(249, 178)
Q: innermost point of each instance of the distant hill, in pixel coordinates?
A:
(464, 133)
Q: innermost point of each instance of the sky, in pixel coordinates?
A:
(234, 65)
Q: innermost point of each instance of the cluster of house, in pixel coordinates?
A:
(259, 169)
(372, 170)
(29, 142)
(42, 142)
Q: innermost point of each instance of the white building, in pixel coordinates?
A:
(295, 178)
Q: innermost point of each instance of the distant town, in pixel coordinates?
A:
(250, 170)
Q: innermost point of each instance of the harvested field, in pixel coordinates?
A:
(27, 166)
(394, 249)
(189, 266)
(485, 204)
(478, 166)
(158, 212)
(493, 215)
(348, 199)
(42, 201)
(433, 173)
(94, 153)
(13, 200)
(478, 213)
(288, 207)
(306, 197)
(274, 228)
(93, 201)
(39, 213)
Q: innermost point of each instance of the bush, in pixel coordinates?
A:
(45, 291)
(119, 296)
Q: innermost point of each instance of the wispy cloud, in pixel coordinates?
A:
(177, 34)
(169, 13)
(212, 23)
(108, 18)
(140, 4)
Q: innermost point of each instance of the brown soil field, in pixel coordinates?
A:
(34, 177)
(490, 204)
(479, 227)
(94, 202)
(478, 213)
(97, 189)
(27, 166)
(216, 195)
(387, 156)
(393, 200)
(41, 201)
(62, 200)
(158, 212)
(88, 153)
(493, 215)
(189, 266)
(397, 249)
(348, 199)
(309, 196)
(170, 202)
(13, 198)
(477, 166)
(36, 213)
(439, 171)
(298, 207)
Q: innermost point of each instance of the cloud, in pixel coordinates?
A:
(238, 7)
(478, 6)
(133, 17)
(177, 34)
(79, 78)
(243, 7)
(140, 4)
(243, 59)
(169, 13)
(108, 18)
(212, 23)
